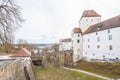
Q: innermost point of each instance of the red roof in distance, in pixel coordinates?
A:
(21, 53)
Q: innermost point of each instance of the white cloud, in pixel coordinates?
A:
(49, 20)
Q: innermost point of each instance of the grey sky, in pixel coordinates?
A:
(47, 21)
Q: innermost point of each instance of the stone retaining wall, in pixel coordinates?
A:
(15, 70)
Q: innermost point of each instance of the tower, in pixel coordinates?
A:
(88, 18)
(77, 44)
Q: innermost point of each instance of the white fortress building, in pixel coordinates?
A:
(96, 40)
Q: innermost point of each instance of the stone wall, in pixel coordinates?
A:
(16, 70)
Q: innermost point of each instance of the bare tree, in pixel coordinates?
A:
(10, 21)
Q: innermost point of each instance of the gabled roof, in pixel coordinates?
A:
(90, 13)
(107, 24)
(21, 53)
(77, 30)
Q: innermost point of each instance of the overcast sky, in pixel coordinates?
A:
(47, 21)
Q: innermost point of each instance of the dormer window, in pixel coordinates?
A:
(100, 26)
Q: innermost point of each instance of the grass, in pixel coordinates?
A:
(53, 73)
(81, 76)
(111, 70)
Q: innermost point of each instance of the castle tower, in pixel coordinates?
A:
(77, 44)
(88, 18)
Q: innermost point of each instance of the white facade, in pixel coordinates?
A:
(65, 45)
(102, 44)
(77, 46)
(85, 22)
(99, 40)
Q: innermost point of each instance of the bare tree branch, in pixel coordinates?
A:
(10, 21)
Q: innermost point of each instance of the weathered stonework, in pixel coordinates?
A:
(15, 70)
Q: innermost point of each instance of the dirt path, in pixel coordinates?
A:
(88, 73)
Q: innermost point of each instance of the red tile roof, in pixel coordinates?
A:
(90, 13)
(77, 30)
(107, 24)
(4, 54)
(21, 53)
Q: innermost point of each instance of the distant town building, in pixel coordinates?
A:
(65, 44)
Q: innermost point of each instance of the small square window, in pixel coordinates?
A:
(108, 31)
(98, 39)
(98, 46)
(91, 19)
(86, 20)
(78, 41)
(96, 33)
(88, 40)
(88, 46)
(110, 37)
(110, 47)
(103, 56)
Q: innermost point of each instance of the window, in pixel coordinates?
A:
(108, 31)
(88, 46)
(110, 47)
(83, 40)
(98, 46)
(86, 20)
(100, 26)
(98, 39)
(93, 54)
(91, 19)
(97, 19)
(88, 40)
(96, 33)
(78, 35)
(110, 37)
(78, 41)
(117, 58)
(103, 56)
